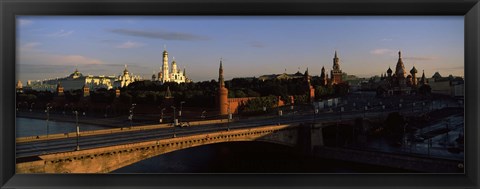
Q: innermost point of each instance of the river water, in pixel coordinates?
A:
(236, 157)
(34, 127)
(246, 157)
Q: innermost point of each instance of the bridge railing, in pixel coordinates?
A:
(111, 131)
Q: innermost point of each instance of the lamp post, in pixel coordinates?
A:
(130, 117)
(161, 115)
(364, 111)
(47, 110)
(423, 105)
(404, 136)
(31, 106)
(174, 121)
(383, 109)
(293, 111)
(229, 116)
(180, 112)
(341, 112)
(203, 114)
(64, 109)
(78, 129)
(106, 110)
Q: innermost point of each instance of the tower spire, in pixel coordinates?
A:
(220, 75)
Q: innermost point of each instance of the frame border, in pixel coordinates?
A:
(10, 8)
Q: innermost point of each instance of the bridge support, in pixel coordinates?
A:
(310, 135)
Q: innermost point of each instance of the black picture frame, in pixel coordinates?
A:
(11, 8)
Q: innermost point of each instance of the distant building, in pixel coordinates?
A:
(450, 85)
(125, 79)
(77, 80)
(170, 75)
(336, 74)
(283, 76)
(19, 87)
(399, 82)
(223, 104)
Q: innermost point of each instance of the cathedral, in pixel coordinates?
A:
(170, 75)
(399, 82)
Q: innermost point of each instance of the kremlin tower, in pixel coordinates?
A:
(222, 92)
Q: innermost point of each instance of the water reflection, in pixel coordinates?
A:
(245, 157)
(35, 127)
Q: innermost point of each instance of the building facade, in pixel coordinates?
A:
(77, 80)
(399, 82)
(170, 75)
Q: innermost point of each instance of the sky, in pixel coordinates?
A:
(53, 46)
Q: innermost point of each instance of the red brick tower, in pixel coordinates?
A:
(222, 92)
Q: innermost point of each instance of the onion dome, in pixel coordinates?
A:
(413, 70)
(389, 71)
(125, 71)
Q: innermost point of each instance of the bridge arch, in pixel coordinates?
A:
(215, 157)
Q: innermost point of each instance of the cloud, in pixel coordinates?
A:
(56, 59)
(387, 39)
(160, 35)
(24, 22)
(421, 58)
(382, 52)
(256, 44)
(75, 59)
(29, 46)
(61, 33)
(129, 45)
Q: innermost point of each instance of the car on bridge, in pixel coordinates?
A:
(184, 124)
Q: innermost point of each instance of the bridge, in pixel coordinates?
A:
(108, 150)
(107, 159)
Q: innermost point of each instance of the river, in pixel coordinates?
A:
(34, 127)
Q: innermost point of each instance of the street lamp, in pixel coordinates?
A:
(404, 136)
(64, 109)
(293, 112)
(130, 117)
(161, 115)
(364, 111)
(229, 116)
(31, 106)
(106, 110)
(47, 110)
(181, 108)
(203, 114)
(174, 121)
(383, 109)
(78, 129)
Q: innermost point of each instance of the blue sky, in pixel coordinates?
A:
(52, 46)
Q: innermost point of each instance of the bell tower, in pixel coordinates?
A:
(165, 75)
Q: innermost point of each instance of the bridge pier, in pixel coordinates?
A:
(310, 135)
